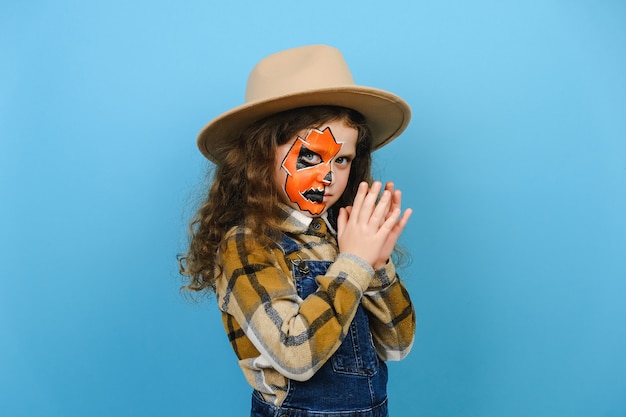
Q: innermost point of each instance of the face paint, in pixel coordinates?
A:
(308, 166)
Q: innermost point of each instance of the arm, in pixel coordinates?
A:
(391, 313)
(392, 317)
(295, 336)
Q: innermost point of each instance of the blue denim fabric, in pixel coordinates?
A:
(352, 383)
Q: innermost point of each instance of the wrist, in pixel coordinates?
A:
(381, 264)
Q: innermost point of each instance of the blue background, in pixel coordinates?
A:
(515, 165)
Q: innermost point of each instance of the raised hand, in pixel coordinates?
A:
(392, 238)
(370, 229)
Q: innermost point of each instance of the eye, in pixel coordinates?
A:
(310, 157)
(307, 158)
(343, 160)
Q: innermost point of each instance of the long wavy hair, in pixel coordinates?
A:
(243, 192)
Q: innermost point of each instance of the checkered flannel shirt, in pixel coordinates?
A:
(277, 335)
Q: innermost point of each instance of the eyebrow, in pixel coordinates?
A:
(344, 154)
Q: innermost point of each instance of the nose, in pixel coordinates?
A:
(328, 178)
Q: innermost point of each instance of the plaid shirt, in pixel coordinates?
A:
(277, 335)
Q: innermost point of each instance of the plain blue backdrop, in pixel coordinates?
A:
(515, 165)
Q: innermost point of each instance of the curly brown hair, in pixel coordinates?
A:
(242, 194)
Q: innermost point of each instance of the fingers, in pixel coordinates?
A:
(364, 202)
(392, 236)
(391, 221)
(358, 199)
(396, 196)
(395, 225)
(405, 218)
(368, 206)
(396, 200)
(371, 226)
(389, 186)
(381, 211)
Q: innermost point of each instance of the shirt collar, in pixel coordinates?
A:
(295, 221)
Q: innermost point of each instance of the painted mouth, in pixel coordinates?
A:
(315, 196)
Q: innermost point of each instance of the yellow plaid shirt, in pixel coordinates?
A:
(277, 335)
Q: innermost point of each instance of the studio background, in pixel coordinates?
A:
(514, 163)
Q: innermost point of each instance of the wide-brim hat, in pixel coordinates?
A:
(299, 77)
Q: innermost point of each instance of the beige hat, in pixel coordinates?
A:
(305, 76)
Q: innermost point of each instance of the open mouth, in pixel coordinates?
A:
(315, 196)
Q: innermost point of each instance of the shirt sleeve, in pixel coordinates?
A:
(391, 314)
(295, 336)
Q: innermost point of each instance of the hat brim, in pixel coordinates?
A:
(386, 114)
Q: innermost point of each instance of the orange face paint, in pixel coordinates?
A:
(308, 166)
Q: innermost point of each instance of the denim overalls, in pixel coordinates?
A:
(352, 383)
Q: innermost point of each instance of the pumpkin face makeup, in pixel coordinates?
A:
(315, 169)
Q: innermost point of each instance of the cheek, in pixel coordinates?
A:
(304, 179)
(280, 176)
(342, 177)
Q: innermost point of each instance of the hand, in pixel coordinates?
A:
(392, 238)
(368, 228)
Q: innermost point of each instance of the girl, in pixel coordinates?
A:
(296, 243)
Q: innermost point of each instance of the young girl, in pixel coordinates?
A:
(297, 244)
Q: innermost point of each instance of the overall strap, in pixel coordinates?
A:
(293, 254)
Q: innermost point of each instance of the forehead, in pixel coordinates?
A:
(320, 141)
(343, 134)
